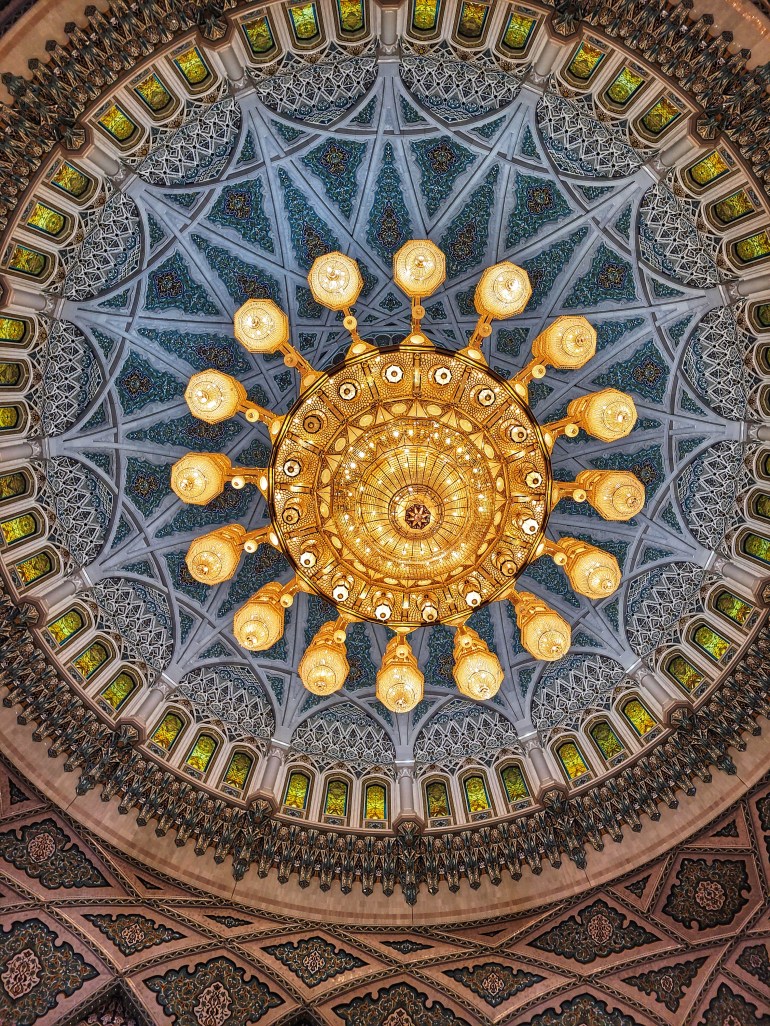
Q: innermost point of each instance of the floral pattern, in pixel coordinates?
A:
(707, 894)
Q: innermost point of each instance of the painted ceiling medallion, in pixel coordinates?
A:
(409, 485)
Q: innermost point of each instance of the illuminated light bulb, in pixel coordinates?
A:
(199, 477)
(335, 281)
(567, 344)
(544, 634)
(214, 557)
(213, 396)
(503, 291)
(429, 608)
(324, 666)
(400, 684)
(591, 571)
(608, 415)
(614, 494)
(419, 267)
(259, 623)
(261, 326)
(477, 671)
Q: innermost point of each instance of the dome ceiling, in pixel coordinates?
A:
(232, 196)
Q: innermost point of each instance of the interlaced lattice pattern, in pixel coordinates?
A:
(345, 732)
(108, 254)
(319, 93)
(198, 150)
(71, 378)
(579, 144)
(231, 695)
(576, 684)
(458, 90)
(707, 489)
(140, 614)
(464, 729)
(657, 599)
(82, 505)
(714, 363)
(670, 242)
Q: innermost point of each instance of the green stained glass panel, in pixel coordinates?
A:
(585, 62)
(167, 732)
(754, 247)
(202, 753)
(18, 528)
(117, 123)
(45, 219)
(9, 417)
(736, 609)
(607, 741)
(473, 17)
(153, 93)
(437, 798)
(624, 86)
(10, 374)
(514, 783)
(639, 718)
(476, 797)
(88, 662)
(571, 759)
(733, 207)
(33, 568)
(351, 15)
(757, 547)
(761, 505)
(684, 673)
(70, 179)
(12, 329)
(192, 66)
(762, 314)
(27, 261)
(65, 627)
(711, 167)
(238, 771)
(518, 31)
(12, 486)
(297, 791)
(304, 22)
(118, 691)
(336, 800)
(375, 802)
(425, 15)
(259, 35)
(661, 115)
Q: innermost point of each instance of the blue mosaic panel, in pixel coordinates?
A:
(241, 207)
(172, 287)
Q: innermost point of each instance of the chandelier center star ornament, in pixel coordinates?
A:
(409, 485)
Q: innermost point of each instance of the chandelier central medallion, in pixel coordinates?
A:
(409, 485)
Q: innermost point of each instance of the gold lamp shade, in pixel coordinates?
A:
(503, 291)
(335, 281)
(214, 557)
(200, 476)
(259, 623)
(591, 571)
(261, 326)
(477, 671)
(567, 344)
(544, 634)
(324, 666)
(400, 684)
(419, 267)
(608, 415)
(614, 494)
(213, 396)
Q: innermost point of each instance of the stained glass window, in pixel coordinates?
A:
(515, 785)
(10, 374)
(757, 547)
(375, 802)
(753, 247)
(118, 691)
(709, 168)
(437, 799)
(572, 760)
(117, 123)
(70, 179)
(304, 22)
(152, 92)
(351, 15)
(9, 417)
(34, 568)
(168, 731)
(736, 609)
(65, 627)
(45, 219)
(762, 315)
(425, 15)
(336, 800)
(624, 86)
(760, 506)
(710, 642)
(733, 207)
(237, 772)
(661, 115)
(586, 60)
(473, 17)
(297, 791)
(91, 660)
(13, 486)
(201, 753)
(18, 528)
(192, 66)
(684, 673)
(12, 329)
(476, 797)
(26, 261)
(518, 31)
(606, 740)
(639, 717)
(259, 35)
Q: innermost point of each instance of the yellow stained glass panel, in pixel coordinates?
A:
(736, 609)
(18, 528)
(712, 643)
(571, 759)
(167, 732)
(259, 35)
(476, 796)
(437, 798)
(117, 123)
(425, 15)
(88, 662)
(9, 417)
(759, 548)
(518, 31)
(639, 718)
(297, 791)
(761, 506)
(202, 753)
(12, 486)
(70, 179)
(304, 21)
(762, 313)
(10, 374)
(351, 15)
(624, 86)
(336, 801)
(12, 329)
(27, 261)
(755, 247)
(46, 219)
(661, 115)
(734, 207)
(607, 741)
(33, 568)
(472, 19)
(65, 627)
(238, 771)
(153, 93)
(709, 168)
(118, 692)
(375, 802)
(585, 62)
(192, 66)
(514, 783)
(684, 673)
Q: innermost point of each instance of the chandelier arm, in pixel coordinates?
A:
(558, 429)
(256, 414)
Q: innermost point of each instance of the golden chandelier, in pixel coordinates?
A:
(409, 485)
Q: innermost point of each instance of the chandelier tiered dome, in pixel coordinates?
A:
(409, 485)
